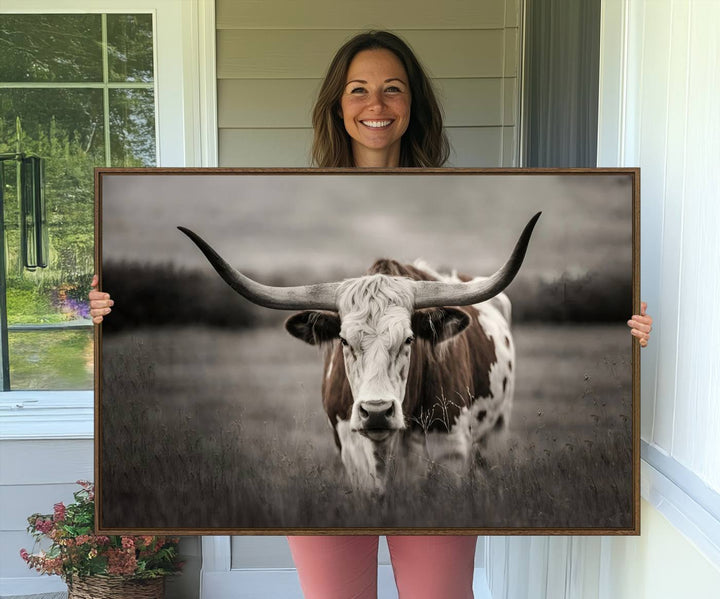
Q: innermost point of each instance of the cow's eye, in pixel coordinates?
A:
(409, 340)
(343, 341)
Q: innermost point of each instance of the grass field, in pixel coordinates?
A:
(53, 359)
(226, 429)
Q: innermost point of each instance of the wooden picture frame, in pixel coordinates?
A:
(209, 418)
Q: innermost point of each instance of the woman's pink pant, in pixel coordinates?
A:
(345, 567)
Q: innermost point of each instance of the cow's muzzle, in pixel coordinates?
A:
(377, 415)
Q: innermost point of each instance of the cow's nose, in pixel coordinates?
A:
(376, 413)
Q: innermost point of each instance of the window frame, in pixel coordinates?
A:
(186, 135)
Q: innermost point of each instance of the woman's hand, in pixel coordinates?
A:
(100, 302)
(640, 325)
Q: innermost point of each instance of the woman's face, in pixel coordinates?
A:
(375, 107)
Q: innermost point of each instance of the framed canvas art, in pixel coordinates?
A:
(377, 351)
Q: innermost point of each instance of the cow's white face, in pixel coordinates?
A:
(376, 335)
(377, 360)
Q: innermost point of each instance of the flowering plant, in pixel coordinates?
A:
(76, 551)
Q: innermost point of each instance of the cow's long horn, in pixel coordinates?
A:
(429, 294)
(306, 297)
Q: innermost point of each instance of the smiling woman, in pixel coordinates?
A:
(375, 107)
(375, 78)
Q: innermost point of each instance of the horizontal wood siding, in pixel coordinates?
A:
(19, 501)
(291, 147)
(470, 145)
(11, 564)
(35, 475)
(396, 15)
(45, 462)
(287, 103)
(306, 54)
(264, 147)
(271, 58)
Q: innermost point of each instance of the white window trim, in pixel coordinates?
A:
(186, 125)
(46, 415)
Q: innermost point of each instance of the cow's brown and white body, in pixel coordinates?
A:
(420, 366)
(457, 391)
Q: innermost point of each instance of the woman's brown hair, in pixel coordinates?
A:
(423, 144)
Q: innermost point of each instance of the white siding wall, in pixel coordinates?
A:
(675, 128)
(660, 85)
(34, 475)
(271, 58)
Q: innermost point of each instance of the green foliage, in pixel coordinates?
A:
(69, 197)
(27, 305)
(53, 359)
(68, 47)
(50, 47)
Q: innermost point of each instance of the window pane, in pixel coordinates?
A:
(132, 127)
(53, 121)
(52, 360)
(130, 47)
(65, 127)
(50, 48)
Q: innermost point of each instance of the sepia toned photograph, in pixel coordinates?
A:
(363, 351)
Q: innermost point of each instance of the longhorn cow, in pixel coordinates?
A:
(419, 364)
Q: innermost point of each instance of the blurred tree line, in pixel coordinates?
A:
(160, 295)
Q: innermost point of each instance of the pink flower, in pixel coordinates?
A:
(128, 543)
(53, 565)
(121, 562)
(44, 526)
(24, 554)
(59, 512)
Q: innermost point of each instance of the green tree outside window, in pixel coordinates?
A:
(77, 90)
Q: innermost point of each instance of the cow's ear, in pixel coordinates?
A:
(314, 327)
(438, 324)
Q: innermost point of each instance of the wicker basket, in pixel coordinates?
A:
(116, 587)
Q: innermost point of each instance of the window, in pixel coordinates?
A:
(186, 125)
(78, 91)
